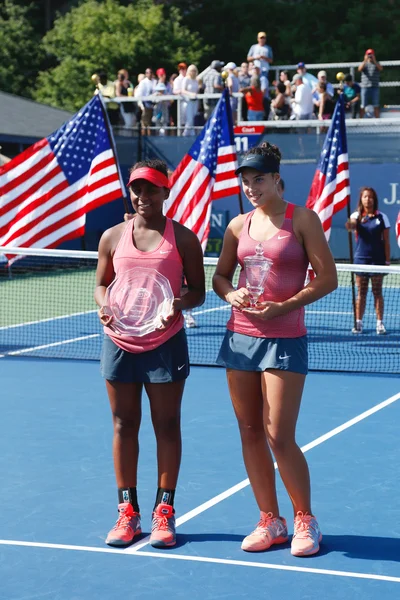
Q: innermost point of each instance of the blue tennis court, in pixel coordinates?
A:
(58, 497)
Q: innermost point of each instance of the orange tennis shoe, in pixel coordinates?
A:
(270, 530)
(307, 535)
(126, 528)
(163, 527)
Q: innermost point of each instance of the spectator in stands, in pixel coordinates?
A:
(264, 84)
(123, 87)
(232, 83)
(177, 89)
(370, 75)
(284, 78)
(244, 78)
(162, 88)
(262, 52)
(303, 105)
(123, 78)
(190, 89)
(213, 84)
(280, 108)
(324, 104)
(308, 79)
(255, 99)
(146, 88)
(322, 78)
(173, 115)
(105, 87)
(352, 95)
(371, 228)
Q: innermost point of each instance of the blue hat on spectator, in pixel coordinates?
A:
(301, 65)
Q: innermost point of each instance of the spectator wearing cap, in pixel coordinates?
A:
(177, 89)
(190, 89)
(232, 83)
(322, 78)
(370, 75)
(262, 52)
(162, 88)
(244, 78)
(303, 105)
(213, 84)
(308, 79)
(352, 96)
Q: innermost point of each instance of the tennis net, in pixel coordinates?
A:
(47, 310)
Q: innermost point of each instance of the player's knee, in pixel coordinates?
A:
(126, 427)
(251, 432)
(280, 443)
(167, 426)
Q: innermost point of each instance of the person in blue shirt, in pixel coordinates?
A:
(352, 95)
(371, 228)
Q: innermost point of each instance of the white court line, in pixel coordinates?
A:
(206, 559)
(25, 350)
(242, 484)
(78, 314)
(135, 549)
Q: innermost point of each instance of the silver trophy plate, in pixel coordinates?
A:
(137, 300)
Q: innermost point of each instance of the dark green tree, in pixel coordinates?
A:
(20, 50)
(107, 35)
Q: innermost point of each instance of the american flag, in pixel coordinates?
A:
(398, 229)
(206, 173)
(330, 189)
(46, 191)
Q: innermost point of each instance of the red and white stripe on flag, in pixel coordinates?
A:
(46, 191)
(206, 173)
(398, 229)
(193, 189)
(39, 208)
(330, 189)
(331, 197)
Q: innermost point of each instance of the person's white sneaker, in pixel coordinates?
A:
(380, 329)
(190, 321)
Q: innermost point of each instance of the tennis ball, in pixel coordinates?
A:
(340, 76)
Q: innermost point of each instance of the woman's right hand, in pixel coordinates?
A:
(350, 224)
(238, 298)
(104, 316)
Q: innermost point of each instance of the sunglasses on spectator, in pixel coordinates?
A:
(262, 37)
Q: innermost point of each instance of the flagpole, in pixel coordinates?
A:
(112, 143)
(340, 77)
(224, 76)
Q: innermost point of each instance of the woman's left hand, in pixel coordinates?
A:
(265, 310)
(165, 320)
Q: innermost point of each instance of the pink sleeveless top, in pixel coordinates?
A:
(286, 279)
(166, 260)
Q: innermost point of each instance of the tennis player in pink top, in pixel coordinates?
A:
(157, 361)
(265, 347)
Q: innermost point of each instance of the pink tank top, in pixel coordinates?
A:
(166, 260)
(286, 279)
